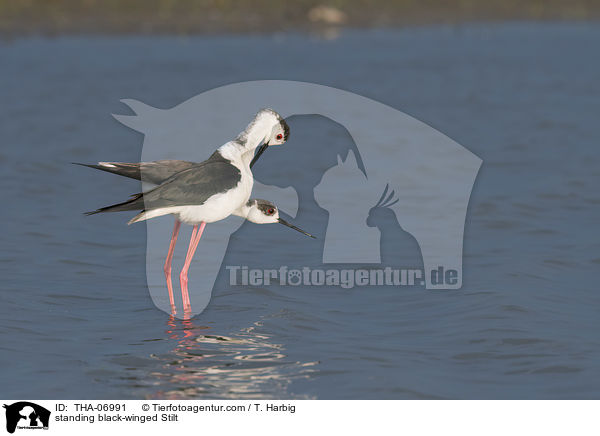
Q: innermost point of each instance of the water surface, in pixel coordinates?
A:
(76, 320)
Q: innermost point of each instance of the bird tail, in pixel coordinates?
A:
(136, 202)
(125, 169)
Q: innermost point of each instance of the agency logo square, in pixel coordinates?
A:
(24, 415)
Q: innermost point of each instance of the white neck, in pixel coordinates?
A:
(256, 133)
(243, 210)
(237, 153)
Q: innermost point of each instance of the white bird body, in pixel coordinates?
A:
(222, 204)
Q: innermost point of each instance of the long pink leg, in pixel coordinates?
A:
(183, 276)
(168, 263)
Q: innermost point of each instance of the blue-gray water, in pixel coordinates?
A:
(76, 320)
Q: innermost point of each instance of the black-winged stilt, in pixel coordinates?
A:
(205, 192)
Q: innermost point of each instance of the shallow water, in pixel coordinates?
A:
(76, 320)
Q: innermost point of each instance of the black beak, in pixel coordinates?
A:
(285, 223)
(260, 151)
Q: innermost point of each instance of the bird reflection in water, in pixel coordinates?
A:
(205, 364)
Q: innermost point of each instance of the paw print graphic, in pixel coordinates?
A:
(294, 277)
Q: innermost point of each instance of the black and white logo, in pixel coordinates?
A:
(376, 187)
(26, 415)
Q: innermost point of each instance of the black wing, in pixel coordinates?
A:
(193, 186)
(155, 172)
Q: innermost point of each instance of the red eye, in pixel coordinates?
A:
(270, 211)
(279, 137)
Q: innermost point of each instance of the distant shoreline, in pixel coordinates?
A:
(188, 17)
